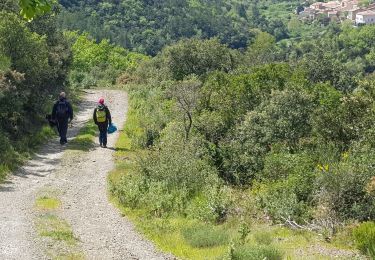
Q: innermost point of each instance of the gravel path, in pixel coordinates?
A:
(81, 180)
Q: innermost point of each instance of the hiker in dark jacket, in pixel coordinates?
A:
(102, 117)
(62, 114)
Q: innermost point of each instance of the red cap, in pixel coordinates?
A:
(101, 101)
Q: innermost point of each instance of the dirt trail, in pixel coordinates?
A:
(102, 231)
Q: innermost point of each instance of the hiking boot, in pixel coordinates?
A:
(101, 145)
(104, 146)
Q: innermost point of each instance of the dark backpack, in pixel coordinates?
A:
(62, 110)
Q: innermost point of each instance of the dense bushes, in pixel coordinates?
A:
(212, 125)
(34, 60)
(171, 176)
(98, 64)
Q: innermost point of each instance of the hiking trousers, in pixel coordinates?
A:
(103, 133)
(62, 127)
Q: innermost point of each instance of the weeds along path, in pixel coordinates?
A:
(79, 177)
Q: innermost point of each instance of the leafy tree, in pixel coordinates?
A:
(195, 57)
(32, 8)
(262, 50)
(283, 118)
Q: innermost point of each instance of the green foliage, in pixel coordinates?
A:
(4, 170)
(364, 236)
(147, 26)
(205, 236)
(34, 59)
(262, 50)
(32, 8)
(282, 118)
(196, 57)
(212, 205)
(26, 50)
(291, 121)
(343, 186)
(98, 64)
(169, 177)
(280, 201)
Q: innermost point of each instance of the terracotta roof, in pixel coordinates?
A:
(355, 9)
(332, 4)
(368, 12)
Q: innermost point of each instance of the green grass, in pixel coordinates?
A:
(365, 238)
(167, 235)
(47, 203)
(281, 10)
(84, 141)
(4, 171)
(45, 134)
(69, 256)
(51, 226)
(203, 235)
(256, 252)
(263, 238)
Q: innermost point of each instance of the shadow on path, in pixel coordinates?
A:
(49, 156)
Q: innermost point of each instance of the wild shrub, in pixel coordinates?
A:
(150, 112)
(170, 176)
(211, 205)
(342, 186)
(280, 201)
(364, 236)
(202, 235)
(298, 168)
(256, 252)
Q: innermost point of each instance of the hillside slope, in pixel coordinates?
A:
(147, 26)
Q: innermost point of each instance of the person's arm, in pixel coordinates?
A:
(53, 115)
(94, 117)
(109, 116)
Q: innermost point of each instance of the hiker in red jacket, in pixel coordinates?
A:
(102, 118)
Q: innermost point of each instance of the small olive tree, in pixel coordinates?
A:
(186, 94)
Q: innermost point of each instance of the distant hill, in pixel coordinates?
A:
(147, 26)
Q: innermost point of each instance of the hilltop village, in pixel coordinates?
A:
(340, 10)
